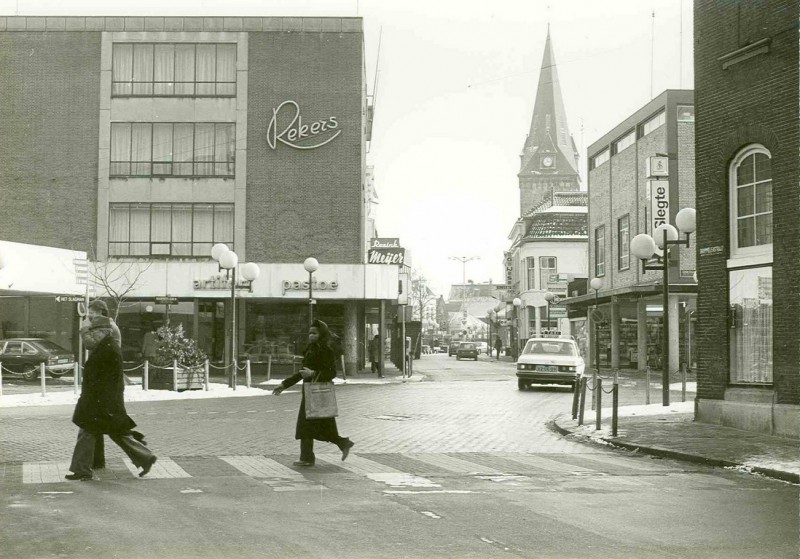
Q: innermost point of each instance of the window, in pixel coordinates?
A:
(547, 267)
(600, 158)
(144, 149)
(531, 272)
(685, 113)
(624, 242)
(654, 122)
(626, 141)
(600, 251)
(164, 230)
(750, 325)
(168, 70)
(751, 202)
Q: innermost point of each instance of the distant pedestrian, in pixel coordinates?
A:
(498, 347)
(319, 364)
(101, 407)
(375, 354)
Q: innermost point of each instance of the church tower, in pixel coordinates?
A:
(549, 159)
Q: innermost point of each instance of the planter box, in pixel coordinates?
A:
(188, 379)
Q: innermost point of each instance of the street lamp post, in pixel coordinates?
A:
(311, 265)
(643, 247)
(229, 261)
(515, 346)
(490, 314)
(596, 284)
(549, 298)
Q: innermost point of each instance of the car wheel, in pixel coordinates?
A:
(30, 372)
(521, 384)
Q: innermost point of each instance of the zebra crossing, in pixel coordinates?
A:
(395, 473)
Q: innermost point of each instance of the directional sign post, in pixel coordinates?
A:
(167, 300)
(69, 298)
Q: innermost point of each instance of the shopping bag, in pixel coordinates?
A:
(320, 400)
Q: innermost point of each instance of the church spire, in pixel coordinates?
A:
(549, 133)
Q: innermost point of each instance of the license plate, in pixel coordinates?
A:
(59, 361)
(547, 368)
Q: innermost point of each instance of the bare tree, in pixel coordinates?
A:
(421, 295)
(118, 280)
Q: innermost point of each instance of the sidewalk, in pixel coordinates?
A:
(671, 432)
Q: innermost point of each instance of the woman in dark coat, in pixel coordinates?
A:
(101, 409)
(319, 364)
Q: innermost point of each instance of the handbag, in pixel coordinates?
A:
(320, 400)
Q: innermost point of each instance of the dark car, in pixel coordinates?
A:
(467, 350)
(452, 349)
(24, 356)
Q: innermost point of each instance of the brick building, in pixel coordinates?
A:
(143, 141)
(746, 84)
(620, 207)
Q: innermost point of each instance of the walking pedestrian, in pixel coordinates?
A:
(101, 407)
(319, 363)
(498, 346)
(375, 353)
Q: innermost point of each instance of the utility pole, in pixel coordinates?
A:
(464, 260)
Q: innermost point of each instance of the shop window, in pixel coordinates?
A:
(751, 202)
(531, 272)
(170, 70)
(624, 242)
(169, 230)
(750, 325)
(143, 149)
(548, 266)
(600, 251)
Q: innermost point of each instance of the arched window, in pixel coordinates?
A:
(751, 202)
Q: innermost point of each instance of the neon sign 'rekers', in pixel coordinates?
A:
(290, 130)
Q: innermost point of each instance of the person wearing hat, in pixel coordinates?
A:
(101, 407)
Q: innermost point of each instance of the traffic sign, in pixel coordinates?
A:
(166, 300)
(69, 298)
(556, 300)
(597, 315)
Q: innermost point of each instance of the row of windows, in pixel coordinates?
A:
(143, 149)
(548, 266)
(167, 70)
(685, 113)
(623, 246)
(164, 230)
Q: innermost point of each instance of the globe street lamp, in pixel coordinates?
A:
(517, 304)
(311, 265)
(643, 247)
(596, 284)
(490, 314)
(229, 261)
(549, 298)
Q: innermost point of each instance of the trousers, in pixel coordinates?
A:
(83, 454)
(307, 448)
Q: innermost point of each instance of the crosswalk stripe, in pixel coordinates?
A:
(262, 467)
(630, 464)
(452, 464)
(544, 463)
(378, 472)
(44, 472)
(165, 468)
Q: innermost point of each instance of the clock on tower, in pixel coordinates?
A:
(547, 161)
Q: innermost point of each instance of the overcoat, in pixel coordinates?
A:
(375, 347)
(101, 406)
(320, 358)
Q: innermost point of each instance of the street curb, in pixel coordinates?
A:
(686, 457)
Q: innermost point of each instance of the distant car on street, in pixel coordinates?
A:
(467, 350)
(451, 351)
(24, 356)
(483, 347)
(549, 361)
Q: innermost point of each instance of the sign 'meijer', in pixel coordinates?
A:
(292, 132)
(386, 251)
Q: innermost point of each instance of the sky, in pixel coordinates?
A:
(454, 83)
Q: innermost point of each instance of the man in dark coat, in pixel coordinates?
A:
(375, 352)
(101, 409)
(319, 364)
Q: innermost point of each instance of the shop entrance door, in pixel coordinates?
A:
(211, 329)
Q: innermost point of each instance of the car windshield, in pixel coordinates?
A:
(467, 346)
(548, 347)
(50, 346)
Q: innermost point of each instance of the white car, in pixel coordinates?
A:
(549, 361)
(483, 347)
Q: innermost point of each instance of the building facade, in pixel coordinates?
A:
(624, 202)
(145, 141)
(748, 206)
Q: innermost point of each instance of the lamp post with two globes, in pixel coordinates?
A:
(515, 345)
(229, 261)
(643, 247)
(548, 297)
(596, 284)
(311, 265)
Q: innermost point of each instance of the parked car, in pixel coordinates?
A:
(24, 356)
(467, 350)
(549, 361)
(483, 347)
(451, 351)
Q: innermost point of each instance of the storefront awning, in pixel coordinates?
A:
(629, 292)
(40, 270)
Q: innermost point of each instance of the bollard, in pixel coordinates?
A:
(205, 374)
(146, 376)
(594, 386)
(44, 381)
(583, 401)
(247, 375)
(598, 388)
(175, 375)
(615, 406)
(75, 377)
(269, 366)
(647, 385)
(683, 382)
(575, 397)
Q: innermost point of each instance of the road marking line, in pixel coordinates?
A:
(430, 514)
(262, 467)
(165, 468)
(546, 463)
(455, 465)
(430, 492)
(628, 463)
(378, 472)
